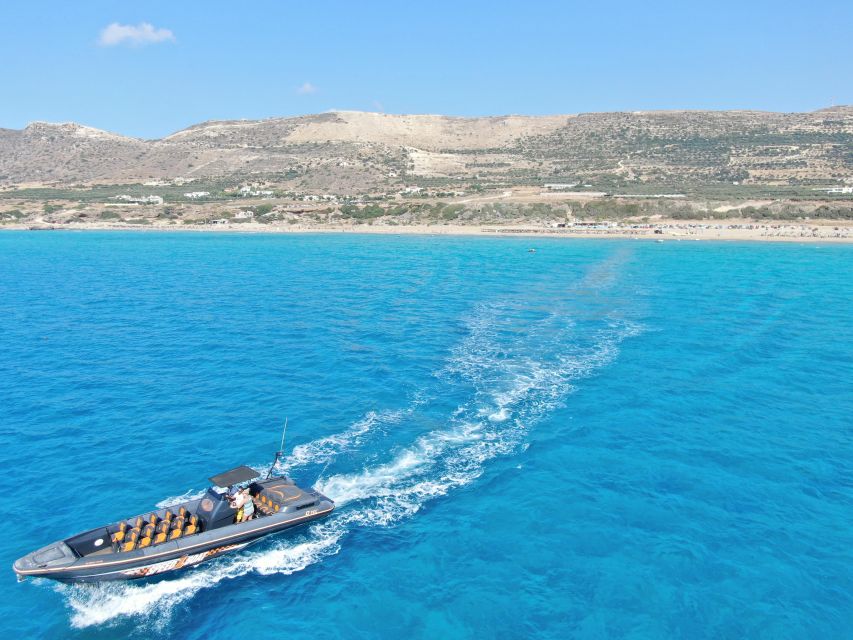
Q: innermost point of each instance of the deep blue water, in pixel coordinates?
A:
(602, 439)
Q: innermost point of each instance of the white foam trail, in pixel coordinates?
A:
(325, 449)
(447, 458)
(511, 390)
(500, 415)
(108, 603)
(192, 494)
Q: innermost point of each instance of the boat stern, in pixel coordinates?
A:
(46, 561)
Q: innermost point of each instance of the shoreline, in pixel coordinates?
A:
(836, 233)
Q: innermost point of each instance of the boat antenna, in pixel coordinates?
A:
(280, 451)
(283, 433)
(322, 472)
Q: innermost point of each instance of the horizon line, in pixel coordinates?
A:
(422, 115)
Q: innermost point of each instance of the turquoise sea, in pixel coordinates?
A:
(601, 439)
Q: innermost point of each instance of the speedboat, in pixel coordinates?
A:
(181, 535)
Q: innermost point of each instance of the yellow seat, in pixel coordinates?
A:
(168, 516)
(276, 508)
(192, 526)
(118, 536)
(162, 533)
(266, 505)
(177, 528)
(130, 541)
(143, 542)
(183, 512)
(153, 518)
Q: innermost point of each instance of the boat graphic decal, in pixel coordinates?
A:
(178, 563)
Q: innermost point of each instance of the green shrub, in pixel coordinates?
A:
(368, 212)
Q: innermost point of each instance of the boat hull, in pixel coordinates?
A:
(167, 557)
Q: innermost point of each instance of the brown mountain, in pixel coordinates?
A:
(354, 151)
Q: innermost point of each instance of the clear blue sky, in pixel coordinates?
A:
(227, 60)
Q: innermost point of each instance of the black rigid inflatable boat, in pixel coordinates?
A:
(180, 535)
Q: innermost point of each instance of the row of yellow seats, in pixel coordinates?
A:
(266, 505)
(155, 519)
(151, 519)
(141, 536)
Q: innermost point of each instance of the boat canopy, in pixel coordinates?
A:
(235, 476)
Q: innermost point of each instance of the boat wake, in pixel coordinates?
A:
(326, 449)
(510, 370)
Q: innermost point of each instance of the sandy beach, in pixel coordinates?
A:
(831, 231)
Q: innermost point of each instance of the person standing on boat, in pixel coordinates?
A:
(237, 500)
(242, 501)
(248, 505)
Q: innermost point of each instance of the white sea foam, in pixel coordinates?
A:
(511, 389)
(446, 458)
(325, 449)
(192, 494)
(105, 603)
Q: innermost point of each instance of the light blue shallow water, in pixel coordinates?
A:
(602, 439)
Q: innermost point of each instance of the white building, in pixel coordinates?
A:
(140, 199)
(247, 192)
(587, 224)
(560, 186)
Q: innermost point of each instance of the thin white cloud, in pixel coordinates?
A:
(306, 89)
(137, 35)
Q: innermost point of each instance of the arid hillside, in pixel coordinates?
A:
(354, 152)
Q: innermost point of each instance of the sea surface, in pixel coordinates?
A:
(598, 439)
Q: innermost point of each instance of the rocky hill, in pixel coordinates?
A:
(354, 152)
